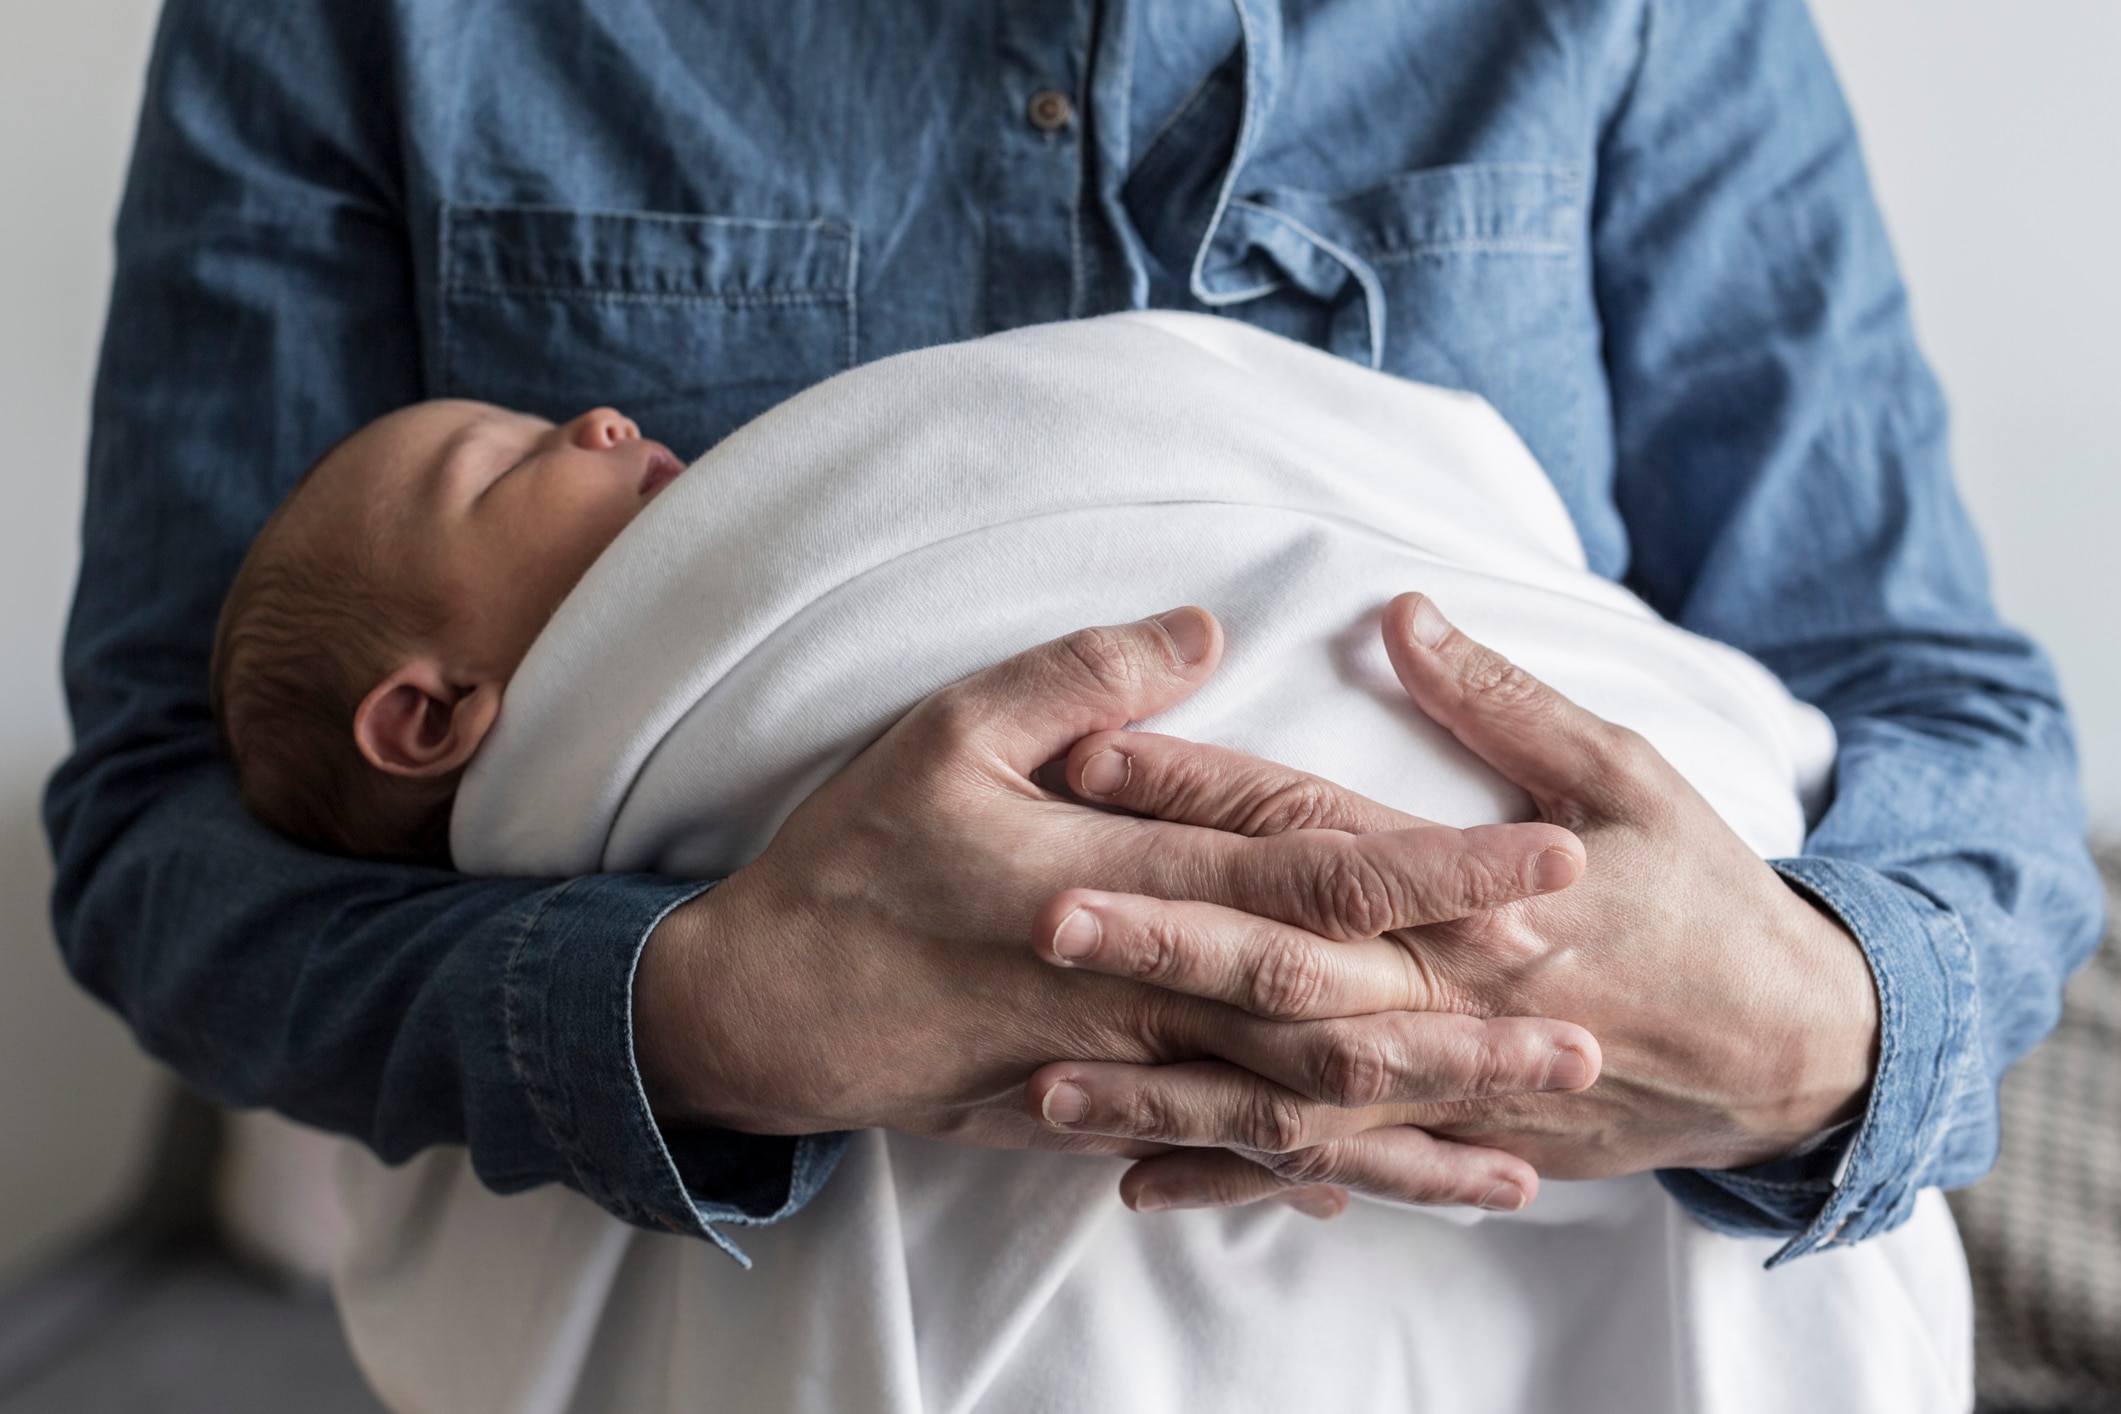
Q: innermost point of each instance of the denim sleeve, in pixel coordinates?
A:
(264, 305)
(1784, 475)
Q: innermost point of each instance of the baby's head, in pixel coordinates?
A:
(366, 641)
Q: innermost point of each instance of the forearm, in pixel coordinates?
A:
(263, 306)
(400, 1006)
(1785, 475)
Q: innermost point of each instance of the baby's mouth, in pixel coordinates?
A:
(663, 468)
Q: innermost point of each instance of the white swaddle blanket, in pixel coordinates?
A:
(921, 518)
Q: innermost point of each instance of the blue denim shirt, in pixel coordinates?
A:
(1640, 228)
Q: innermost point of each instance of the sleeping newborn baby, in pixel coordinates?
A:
(475, 636)
(368, 637)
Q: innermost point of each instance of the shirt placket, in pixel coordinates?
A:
(1035, 184)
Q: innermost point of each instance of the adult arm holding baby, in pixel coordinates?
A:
(1783, 474)
(266, 304)
(284, 276)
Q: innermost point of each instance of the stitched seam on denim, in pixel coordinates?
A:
(1874, 1216)
(824, 225)
(1473, 245)
(622, 1007)
(1348, 258)
(1124, 122)
(1240, 153)
(854, 276)
(1193, 99)
(1254, 292)
(1946, 1095)
(807, 1170)
(1374, 311)
(535, 1089)
(1082, 173)
(1846, 1199)
(1568, 183)
(446, 335)
(1889, 1013)
(592, 295)
(1585, 288)
(1774, 1185)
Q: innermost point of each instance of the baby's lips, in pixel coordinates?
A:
(663, 468)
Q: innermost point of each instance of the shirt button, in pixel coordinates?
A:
(1050, 110)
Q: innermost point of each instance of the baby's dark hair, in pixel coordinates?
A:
(312, 622)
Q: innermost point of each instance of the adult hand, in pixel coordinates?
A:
(868, 968)
(1735, 1018)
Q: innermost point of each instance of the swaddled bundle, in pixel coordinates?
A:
(917, 520)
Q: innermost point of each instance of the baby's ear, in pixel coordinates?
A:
(417, 723)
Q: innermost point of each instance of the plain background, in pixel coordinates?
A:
(1994, 129)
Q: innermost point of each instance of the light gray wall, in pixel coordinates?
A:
(73, 1091)
(1993, 126)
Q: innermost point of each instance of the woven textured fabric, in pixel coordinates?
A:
(2043, 1232)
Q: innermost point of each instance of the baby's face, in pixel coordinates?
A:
(498, 513)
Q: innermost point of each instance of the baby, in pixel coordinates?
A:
(373, 627)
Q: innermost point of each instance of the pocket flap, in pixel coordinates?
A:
(643, 255)
(691, 324)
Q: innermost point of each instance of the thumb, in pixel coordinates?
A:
(1568, 758)
(1031, 708)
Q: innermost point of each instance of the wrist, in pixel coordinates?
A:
(672, 1038)
(1836, 1036)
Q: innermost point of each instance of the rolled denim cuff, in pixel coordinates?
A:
(1864, 1182)
(568, 996)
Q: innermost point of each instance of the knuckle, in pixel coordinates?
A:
(1501, 682)
(1179, 789)
(1287, 983)
(1298, 804)
(1629, 771)
(1318, 1164)
(1479, 1062)
(1354, 1069)
(1103, 655)
(1621, 752)
(1627, 766)
(1151, 1028)
(1353, 897)
(949, 720)
(1500, 934)
(1140, 1114)
(1157, 952)
(1274, 1123)
(1482, 879)
(1489, 1070)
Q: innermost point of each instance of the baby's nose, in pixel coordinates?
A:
(603, 427)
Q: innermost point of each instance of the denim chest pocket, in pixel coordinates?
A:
(1472, 276)
(692, 325)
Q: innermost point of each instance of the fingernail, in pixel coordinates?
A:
(1065, 1104)
(1503, 1198)
(1077, 937)
(1107, 773)
(1188, 633)
(1430, 626)
(1320, 1203)
(1568, 1070)
(1553, 869)
(1151, 1200)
